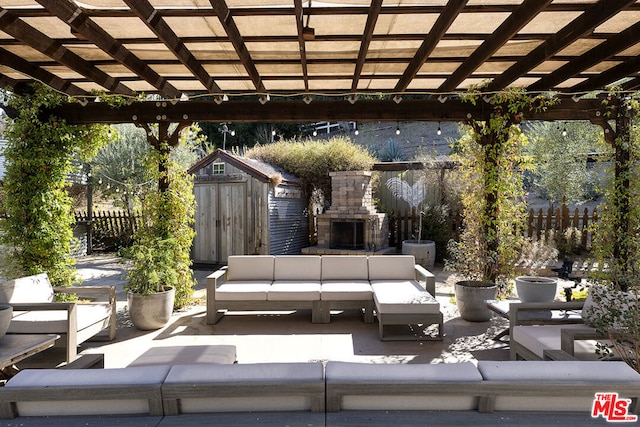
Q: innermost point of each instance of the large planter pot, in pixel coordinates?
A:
(536, 289)
(6, 314)
(424, 252)
(471, 297)
(150, 312)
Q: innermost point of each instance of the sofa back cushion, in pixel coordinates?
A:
(30, 289)
(344, 267)
(392, 267)
(250, 268)
(297, 267)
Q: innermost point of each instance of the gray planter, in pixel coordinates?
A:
(424, 252)
(536, 289)
(6, 314)
(150, 312)
(471, 297)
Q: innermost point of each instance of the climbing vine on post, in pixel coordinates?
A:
(37, 232)
(494, 207)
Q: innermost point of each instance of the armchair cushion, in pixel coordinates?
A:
(540, 337)
(56, 321)
(31, 289)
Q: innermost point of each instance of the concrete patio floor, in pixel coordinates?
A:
(282, 337)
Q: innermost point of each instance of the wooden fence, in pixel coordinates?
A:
(539, 223)
(110, 229)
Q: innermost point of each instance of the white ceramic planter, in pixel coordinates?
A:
(424, 252)
(471, 297)
(150, 312)
(536, 289)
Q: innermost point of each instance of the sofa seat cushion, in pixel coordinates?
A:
(542, 337)
(294, 291)
(254, 400)
(392, 267)
(250, 268)
(591, 372)
(396, 373)
(55, 321)
(303, 268)
(346, 290)
(42, 378)
(403, 296)
(243, 291)
(345, 267)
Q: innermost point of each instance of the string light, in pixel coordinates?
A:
(439, 131)
(398, 129)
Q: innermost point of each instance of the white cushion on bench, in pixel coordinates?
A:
(55, 321)
(553, 371)
(403, 296)
(30, 289)
(541, 337)
(396, 373)
(243, 291)
(294, 291)
(285, 373)
(346, 290)
(392, 267)
(93, 405)
(345, 268)
(303, 268)
(250, 268)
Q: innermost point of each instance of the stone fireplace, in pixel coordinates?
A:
(352, 224)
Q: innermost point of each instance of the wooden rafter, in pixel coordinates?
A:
(505, 32)
(372, 18)
(226, 19)
(80, 22)
(602, 52)
(11, 24)
(444, 21)
(152, 18)
(583, 24)
(610, 76)
(301, 43)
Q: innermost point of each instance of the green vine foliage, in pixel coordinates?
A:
(39, 154)
(161, 250)
(493, 165)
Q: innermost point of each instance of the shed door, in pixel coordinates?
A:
(232, 208)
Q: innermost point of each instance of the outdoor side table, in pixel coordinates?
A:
(16, 347)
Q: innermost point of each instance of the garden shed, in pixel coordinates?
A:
(245, 206)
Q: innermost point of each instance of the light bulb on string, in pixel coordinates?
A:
(398, 129)
(439, 131)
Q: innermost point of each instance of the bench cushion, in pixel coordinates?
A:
(345, 267)
(250, 268)
(392, 267)
(541, 337)
(294, 291)
(243, 291)
(553, 371)
(284, 373)
(396, 373)
(30, 289)
(346, 290)
(92, 405)
(403, 297)
(56, 322)
(297, 268)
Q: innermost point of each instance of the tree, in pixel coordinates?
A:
(559, 153)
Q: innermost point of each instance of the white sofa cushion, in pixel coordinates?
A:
(250, 268)
(56, 321)
(346, 290)
(403, 296)
(297, 268)
(294, 291)
(243, 291)
(345, 267)
(42, 378)
(285, 373)
(553, 371)
(392, 267)
(541, 337)
(30, 289)
(395, 373)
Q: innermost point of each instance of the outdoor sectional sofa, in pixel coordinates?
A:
(389, 285)
(360, 391)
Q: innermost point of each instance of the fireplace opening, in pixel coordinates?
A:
(347, 235)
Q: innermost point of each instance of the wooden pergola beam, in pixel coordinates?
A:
(372, 18)
(279, 111)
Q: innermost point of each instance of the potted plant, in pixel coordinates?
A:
(536, 289)
(424, 251)
(160, 277)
